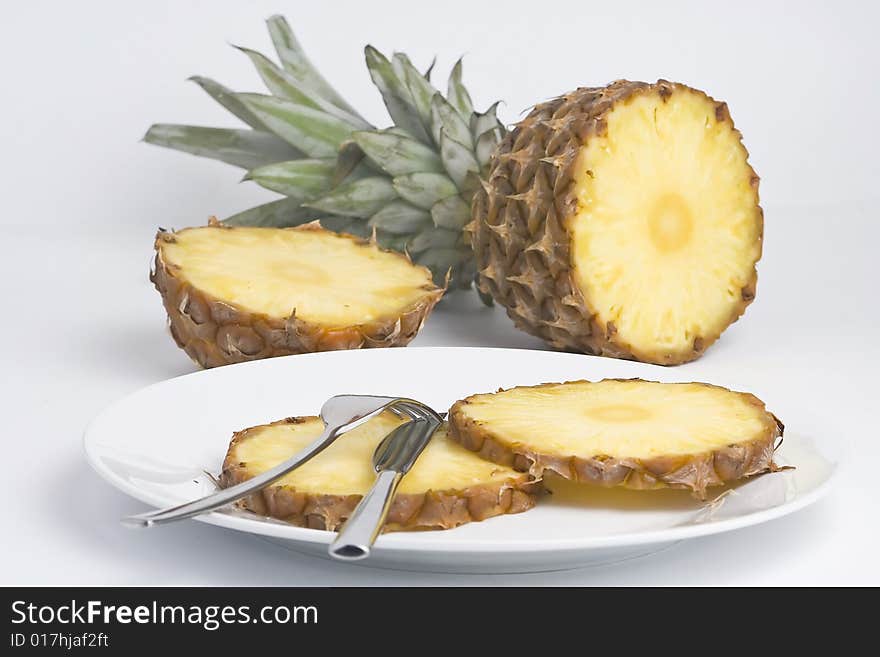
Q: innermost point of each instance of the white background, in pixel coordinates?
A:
(82, 198)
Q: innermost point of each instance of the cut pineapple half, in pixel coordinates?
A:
(634, 433)
(668, 229)
(622, 221)
(448, 485)
(237, 293)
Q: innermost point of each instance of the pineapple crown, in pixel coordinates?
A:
(410, 185)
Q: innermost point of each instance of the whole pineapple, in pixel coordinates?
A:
(411, 183)
(620, 220)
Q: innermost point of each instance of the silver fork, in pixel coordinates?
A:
(340, 414)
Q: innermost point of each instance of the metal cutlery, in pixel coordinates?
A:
(340, 414)
(392, 459)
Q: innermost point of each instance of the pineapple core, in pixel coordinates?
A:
(668, 227)
(621, 419)
(327, 279)
(345, 467)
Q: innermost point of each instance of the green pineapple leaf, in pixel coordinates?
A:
(295, 62)
(282, 213)
(401, 218)
(312, 131)
(397, 154)
(360, 198)
(457, 94)
(340, 224)
(451, 212)
(242, 148)
(300, 179)
(424, 189)
(445, 117)
(440, 261)
(227, 98)
(434, 238)
(488, 120)
(486, 144)
(283, 85)
(457, 159)
(419, 88)
(430, 69)
(395, 94)
(350, 158)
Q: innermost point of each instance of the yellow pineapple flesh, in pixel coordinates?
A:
(665, 237)
(447, 486)
(327, 279)
(240, 293)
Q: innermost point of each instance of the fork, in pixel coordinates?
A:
(340, 414)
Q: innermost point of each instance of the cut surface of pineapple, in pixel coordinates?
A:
(240, 293)
(667, 230)
(640, 434)
(327, 278)
(622, 221)
(447, 486)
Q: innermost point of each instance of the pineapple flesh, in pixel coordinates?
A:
(448, 485)
(240, 293)
(633, 433)
(622, 221)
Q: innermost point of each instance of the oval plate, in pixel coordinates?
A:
(158, 444)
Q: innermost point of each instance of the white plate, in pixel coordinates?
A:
(155, 445)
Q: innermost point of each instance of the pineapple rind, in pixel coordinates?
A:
(675, 461)
(215, 331)
(522, 234)
(448, 485)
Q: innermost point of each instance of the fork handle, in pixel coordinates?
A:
(227, 495)
(221, 498)
(360, 531)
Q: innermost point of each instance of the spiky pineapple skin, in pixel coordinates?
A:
(214, 333)
(696, 473)
(435, 509)
(521, 245)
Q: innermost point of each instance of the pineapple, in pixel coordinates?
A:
(410, 184)
(632, 433)
(448, 486)
(622, 221)
(240, 293)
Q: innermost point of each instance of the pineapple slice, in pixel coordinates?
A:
(448, 485)
(633, 433)
(234, 293)
(622, 221)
